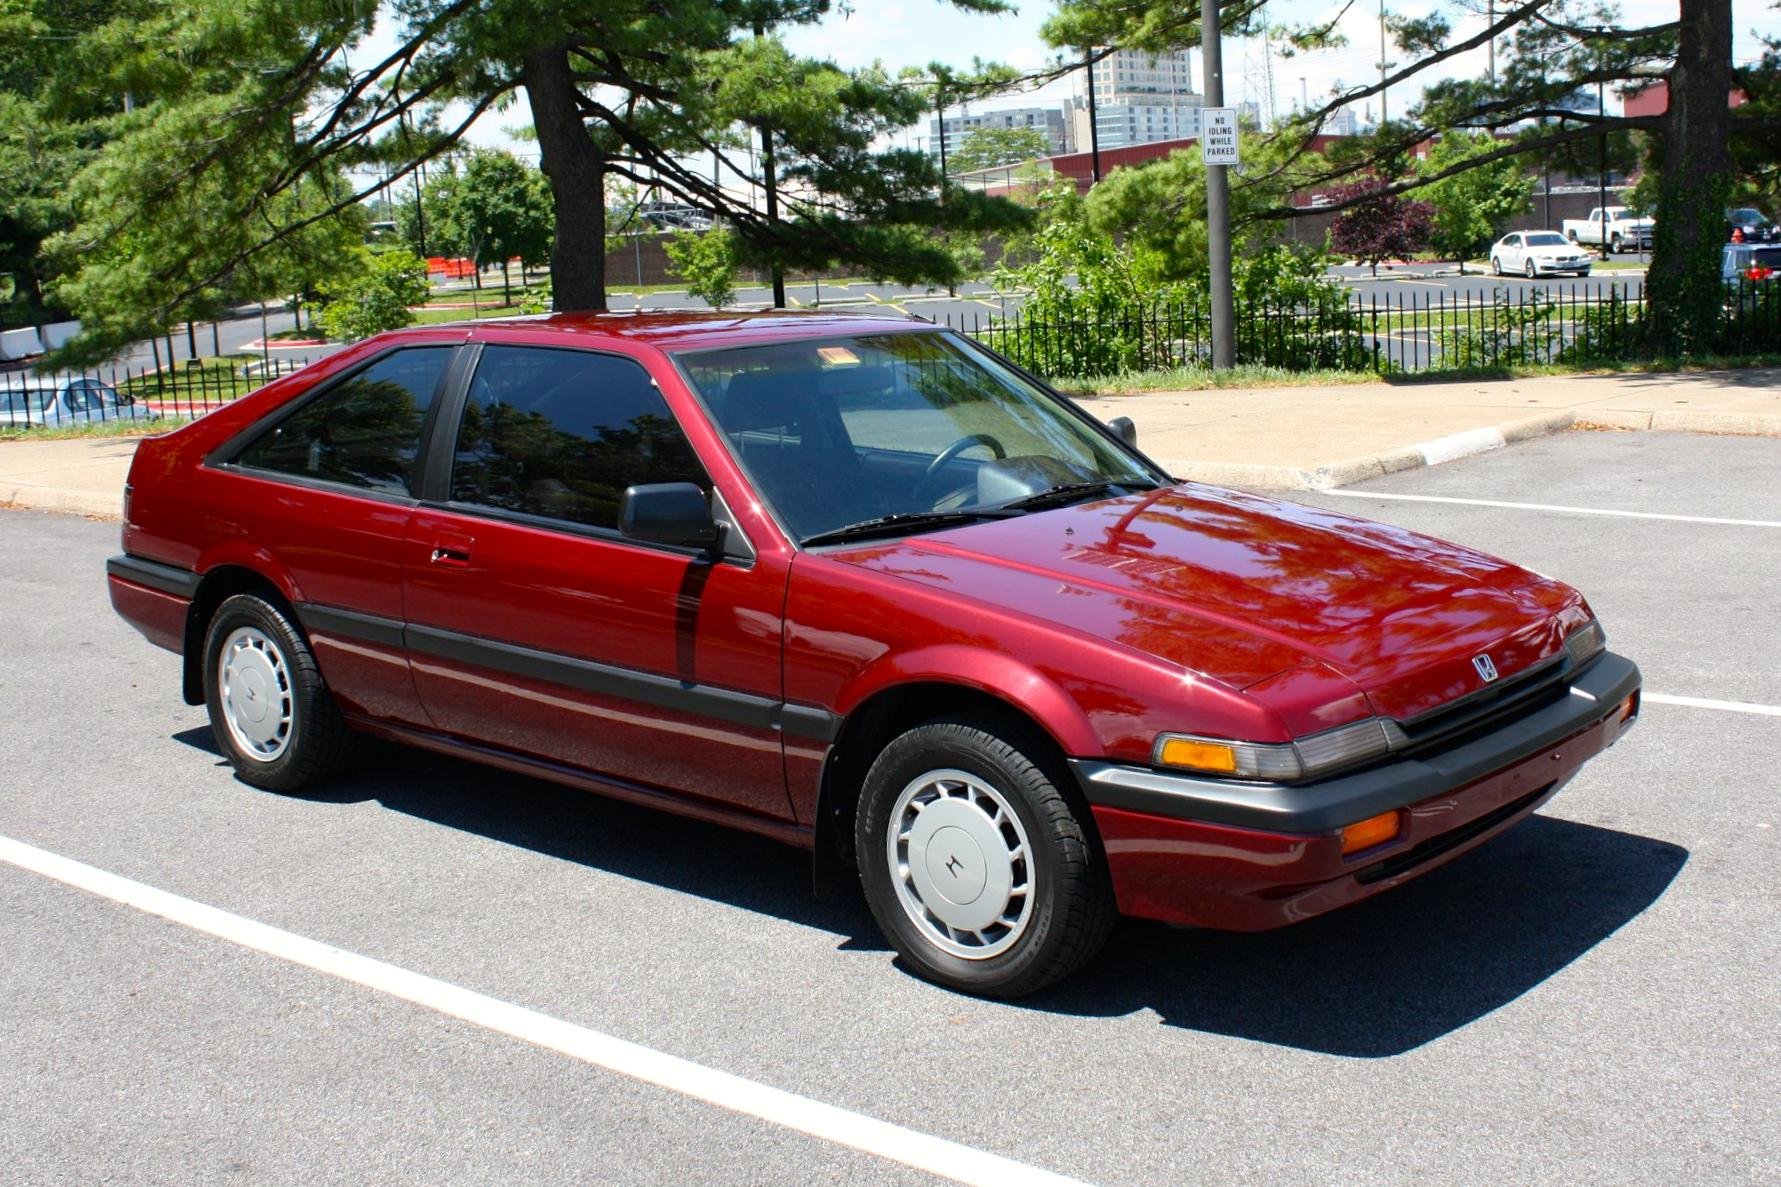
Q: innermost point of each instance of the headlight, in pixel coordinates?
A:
(1585, 643)
(1308, 757)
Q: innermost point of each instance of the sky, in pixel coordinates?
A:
(901, 33)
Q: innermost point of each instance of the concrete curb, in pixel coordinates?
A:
(60, 499)
(1411, 457)
(1728, 424)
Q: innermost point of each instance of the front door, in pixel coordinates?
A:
(533, 626)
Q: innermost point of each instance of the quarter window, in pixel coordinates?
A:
(365, 431)
(561, 433)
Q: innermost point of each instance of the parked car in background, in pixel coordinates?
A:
(70, 402)
(1747, 224)
(860, 585)
(1616, 226)
(1749, 262)
(1538, 253)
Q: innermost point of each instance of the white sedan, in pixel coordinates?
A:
(1537, 253)
(71, 401)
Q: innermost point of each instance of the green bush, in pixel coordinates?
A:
(377, 298)
(706, 260)
(1093, 311)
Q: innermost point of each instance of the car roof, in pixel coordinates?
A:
(689, 329)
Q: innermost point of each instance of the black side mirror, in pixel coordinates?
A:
(667, 513)
(1128, 432)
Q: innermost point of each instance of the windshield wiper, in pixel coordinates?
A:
(911, 521)
(1056, 496)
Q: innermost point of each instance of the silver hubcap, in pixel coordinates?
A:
(256, 694)
(961, 864)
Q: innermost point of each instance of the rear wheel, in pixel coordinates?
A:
(270, 711)
(976, 866)
(1496, 265)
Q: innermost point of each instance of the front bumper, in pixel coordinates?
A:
(1553, 267)
(1251, 856)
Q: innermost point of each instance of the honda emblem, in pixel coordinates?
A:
(1487, 668)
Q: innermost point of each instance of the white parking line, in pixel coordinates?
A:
(1374, 494)
(1658, 698)
(747, 1097)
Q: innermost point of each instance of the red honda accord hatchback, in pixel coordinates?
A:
(863, 586)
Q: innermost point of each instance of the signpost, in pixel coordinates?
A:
(1218, 135)
(1223, 143)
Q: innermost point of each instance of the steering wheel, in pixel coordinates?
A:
(952, 451)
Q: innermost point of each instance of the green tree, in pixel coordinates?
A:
(985, 148)
(496, 210)
(706, 260)
(1474, 206)
(1549, 53)
(1159, 208)
(377, 297)
(241, 102)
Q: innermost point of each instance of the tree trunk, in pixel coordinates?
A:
(1683, 286)
(577, 182)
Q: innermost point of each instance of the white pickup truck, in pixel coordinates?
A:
(1620, 228)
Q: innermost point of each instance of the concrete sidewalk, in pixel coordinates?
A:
(1308, 438)
(1288, 437)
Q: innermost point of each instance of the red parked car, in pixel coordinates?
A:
(863, 586)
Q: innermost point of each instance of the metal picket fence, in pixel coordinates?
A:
(1401, 331)
(121, 395)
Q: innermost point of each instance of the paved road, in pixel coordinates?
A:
(1435, 281)
(1591, 997)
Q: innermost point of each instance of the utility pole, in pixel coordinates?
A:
(1094, 132)
(1383, 118)
(1218, 201)
(1601, 176)
(767, 176)
(1490, 23)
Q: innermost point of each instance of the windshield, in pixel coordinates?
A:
(836, 432)
(1547, 239)
(1757, 257)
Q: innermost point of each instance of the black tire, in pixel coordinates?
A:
(1528, 270)
(315, 740)
(1496, 265)
(1614, 246)
(1070, 908)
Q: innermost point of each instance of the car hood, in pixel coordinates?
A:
(1240, 588)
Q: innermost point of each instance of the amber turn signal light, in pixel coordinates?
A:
(1374, 830)
(1197, 755)
(1629, 708)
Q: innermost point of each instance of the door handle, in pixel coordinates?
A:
(450, 556)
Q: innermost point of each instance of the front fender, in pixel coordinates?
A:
(994, 673)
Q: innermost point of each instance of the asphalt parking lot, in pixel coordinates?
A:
(1591, 997)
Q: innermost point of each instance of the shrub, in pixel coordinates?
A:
(706, 260)
(377, 298)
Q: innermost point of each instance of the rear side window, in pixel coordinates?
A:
(365, 431)
(561, 433)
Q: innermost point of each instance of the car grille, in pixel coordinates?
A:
(1476, 714)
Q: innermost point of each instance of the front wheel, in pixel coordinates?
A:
(270, 711)
(978, 869)
(1528, 269)
(1614, 246)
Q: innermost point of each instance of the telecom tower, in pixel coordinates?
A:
(1258, 72)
